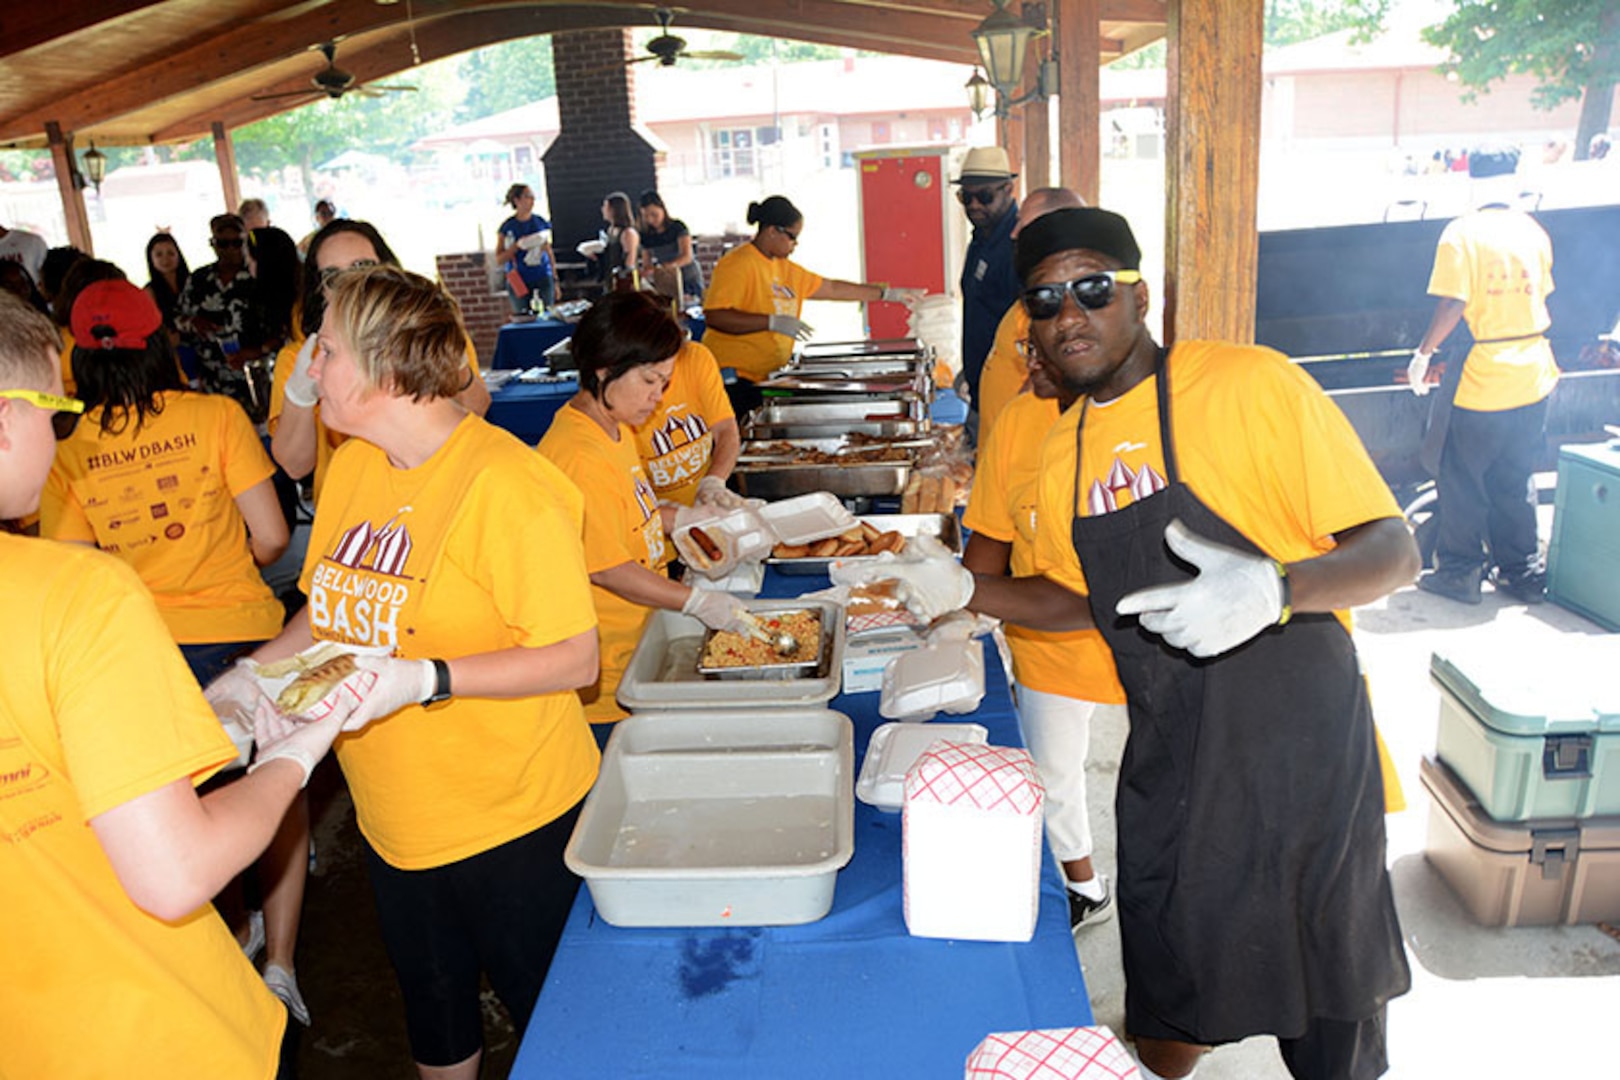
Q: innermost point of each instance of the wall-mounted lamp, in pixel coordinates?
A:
(979, 91)
(95, 165)
(1003, 39)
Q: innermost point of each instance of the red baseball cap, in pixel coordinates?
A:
(114, 315)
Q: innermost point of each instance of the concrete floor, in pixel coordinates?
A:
(1485, 1003)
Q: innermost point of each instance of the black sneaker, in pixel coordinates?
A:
(1525, 588)
(1462, 588)
(1084, 911)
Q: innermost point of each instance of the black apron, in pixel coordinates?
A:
(1252, 890)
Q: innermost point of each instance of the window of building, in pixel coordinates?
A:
(731, 153)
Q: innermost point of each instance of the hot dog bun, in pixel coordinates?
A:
(306, 691)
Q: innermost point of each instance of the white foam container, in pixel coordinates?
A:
(942, 676)
(719, 819)
(803, 518)
(891, 752)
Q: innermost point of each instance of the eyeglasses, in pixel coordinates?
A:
(64, 410)
(982, 196)
(330, 274)
(1092, 292)
(789, 233)
(218, 243)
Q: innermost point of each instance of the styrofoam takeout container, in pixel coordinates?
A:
(894, 748)
(803, 518)
(718, 819)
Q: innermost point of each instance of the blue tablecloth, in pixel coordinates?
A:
(852, 995)
(524, 344)
(526, 409)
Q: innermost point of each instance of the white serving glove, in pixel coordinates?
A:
(1416, 369)
(301, 390)
(787, 325)
(236, 696)
(908, 297)
(383, 686)
(693, 515)
(723, 611)
(712, 492)
(931, 582)
(303, 742)
(1234, 597)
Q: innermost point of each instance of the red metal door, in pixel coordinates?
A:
(903, 209)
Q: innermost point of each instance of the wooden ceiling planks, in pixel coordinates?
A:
(167, 70)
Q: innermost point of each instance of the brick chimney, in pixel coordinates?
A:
(596, 151)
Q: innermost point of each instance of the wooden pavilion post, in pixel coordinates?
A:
(1037, 124)
(1079, 46)
(1212, 169)
(67, 183)
(225, 157)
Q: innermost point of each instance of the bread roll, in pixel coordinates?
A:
(306, 691)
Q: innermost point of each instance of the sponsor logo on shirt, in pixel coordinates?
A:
(159, 510)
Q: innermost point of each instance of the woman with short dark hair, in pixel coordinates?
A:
(625, 346)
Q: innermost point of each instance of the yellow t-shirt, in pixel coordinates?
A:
(676, 443)
(473, 551)
(96, 709)
(621, 526)
(1005, 369)
(747, 280)
(1256, 440)
(69, 385)
(326, 440)
(1076, 664)
(1498, 262)
(163, 499)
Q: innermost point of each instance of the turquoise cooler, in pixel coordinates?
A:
(1583, 561)
(1534, 736)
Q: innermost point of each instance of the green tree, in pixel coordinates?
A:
(1571, 46)
(1287, 22)
(504, 76)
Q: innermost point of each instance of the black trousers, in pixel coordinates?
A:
(1487, 503)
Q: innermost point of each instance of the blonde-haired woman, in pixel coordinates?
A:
(425, 543)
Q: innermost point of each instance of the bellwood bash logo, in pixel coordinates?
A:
(360, 586)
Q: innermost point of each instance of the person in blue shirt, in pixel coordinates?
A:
(525, 246)
(989, 284)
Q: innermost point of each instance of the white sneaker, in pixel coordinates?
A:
(284, 984)
(255, 942)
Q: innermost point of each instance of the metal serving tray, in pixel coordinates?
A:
(795, 380)
(772, 482)
(944, 527)
(835, 432)
(836, 411)
(663, 670)
(783, 670)
(859, 367)
(877, 347)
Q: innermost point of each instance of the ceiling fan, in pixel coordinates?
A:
(666, 48)
(334, 82)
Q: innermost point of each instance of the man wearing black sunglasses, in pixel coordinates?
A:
(989, 285)
(217, 314)
(1213, 514)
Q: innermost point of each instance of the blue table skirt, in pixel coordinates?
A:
(526, 409)
(852, 995)
(524, 344)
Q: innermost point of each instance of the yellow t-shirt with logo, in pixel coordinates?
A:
(326, 440)
(1078, 663)
(1257, 441)
(1005, 369)
(746, 280)
(96, 709)
(621, 526)
(478, 549)
(676, 443)
(1498, 262)
(163, 499)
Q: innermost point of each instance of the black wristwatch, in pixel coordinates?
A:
(441, 683)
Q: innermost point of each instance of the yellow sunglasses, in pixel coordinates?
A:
(64, 410)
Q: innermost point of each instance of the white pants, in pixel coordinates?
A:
(1057, 730)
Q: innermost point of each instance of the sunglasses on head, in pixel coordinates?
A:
(64, 410)
(982, 196)
(330, 274)
(1092, 292)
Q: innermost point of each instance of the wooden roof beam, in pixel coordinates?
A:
(25, 25)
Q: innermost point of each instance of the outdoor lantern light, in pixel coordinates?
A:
(979, 90)
(95, 165)
(1003, 38)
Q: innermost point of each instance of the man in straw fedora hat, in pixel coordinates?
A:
(989, 285)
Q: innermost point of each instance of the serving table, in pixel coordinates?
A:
(850, 995)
